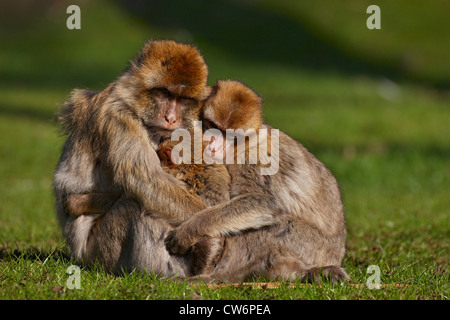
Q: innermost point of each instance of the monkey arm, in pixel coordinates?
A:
(136, 167)
(249, 211)
(90, 203)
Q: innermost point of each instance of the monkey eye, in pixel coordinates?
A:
(209, 124)
(164, 91)
(187, 100)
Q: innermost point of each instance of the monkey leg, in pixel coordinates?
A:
(90, 203)
(290, 269)
(109, 238)
(229, 271)
(205, 253)
(286, 269)
(328, 273)
(126, 239)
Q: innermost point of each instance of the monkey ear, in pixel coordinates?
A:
(138, 59)
(213, 90)
(167, 156)
(208, 91)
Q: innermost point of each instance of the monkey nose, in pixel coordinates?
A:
(170, 119)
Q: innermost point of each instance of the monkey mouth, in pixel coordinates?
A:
(165, 131)
(164, 134)
(159, 133)
(160, 130)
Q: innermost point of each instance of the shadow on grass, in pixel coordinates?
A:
(34, 254)
(29, 113)
(253, 34)
(241, 29)
(393, 149)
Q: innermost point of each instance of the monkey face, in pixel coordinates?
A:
(215, 148)
(171, 111)
(232, 105)
(170, 83)
(175, 66)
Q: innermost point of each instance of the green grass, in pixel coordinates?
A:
(324, 81)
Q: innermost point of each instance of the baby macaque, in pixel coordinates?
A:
(210, 182)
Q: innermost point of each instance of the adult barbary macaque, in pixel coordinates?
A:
(112, 136)
(288, 225)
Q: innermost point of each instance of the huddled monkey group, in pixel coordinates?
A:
(123, 202)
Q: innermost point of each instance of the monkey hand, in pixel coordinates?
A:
(179, 241)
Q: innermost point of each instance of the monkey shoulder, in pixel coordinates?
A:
(295, 156)
(247, 178)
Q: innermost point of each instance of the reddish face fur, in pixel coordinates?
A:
(165, 86)
(232, 105)
(177, 67)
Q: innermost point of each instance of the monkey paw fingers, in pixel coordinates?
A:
(175, 245)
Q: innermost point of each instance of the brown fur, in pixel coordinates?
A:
(289, 225)
(169, 65)
(233, 108)
(210, 182)
(90, 203)
(112, 136)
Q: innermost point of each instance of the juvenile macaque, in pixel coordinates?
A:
(112, 137)
(287, 225)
